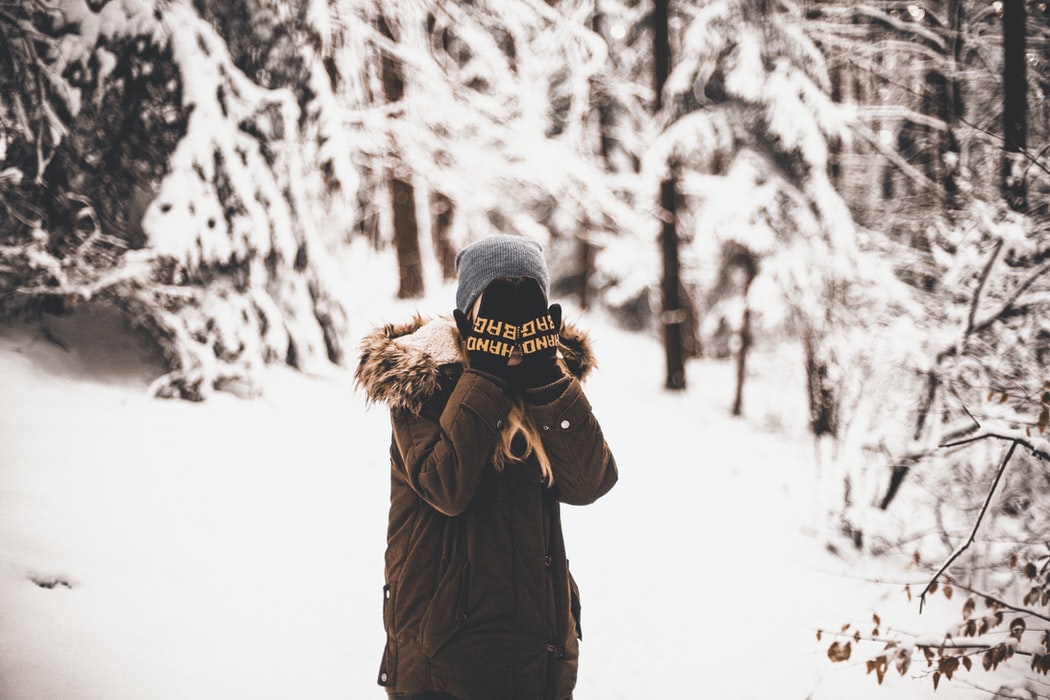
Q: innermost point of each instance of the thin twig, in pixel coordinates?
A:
(1036, 695)
(1033, 160)
(1007, 307)
(1002, 603)
(977, 644)
(1009, 304)
(1036, 451)
(1041, 153)
(976, 424)
(973, 533)
(892, 155)
(985, 273)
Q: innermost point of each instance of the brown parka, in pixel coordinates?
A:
(479, 602)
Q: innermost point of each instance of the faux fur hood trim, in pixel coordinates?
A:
(401, 364)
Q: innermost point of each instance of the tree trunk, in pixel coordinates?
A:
(935, 149)
(444, 210)
(672, 315)
(585, 258)
(406, 239)
(402, 192)
(823, 400)
(741, 361)
(835, 144)
(661, 48)
(367, 224)
(942, 98)
(1015, 103)
(585, 251)
(748, 264)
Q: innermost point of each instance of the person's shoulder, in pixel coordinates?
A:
(407, 365)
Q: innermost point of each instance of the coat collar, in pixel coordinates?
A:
(401, 365)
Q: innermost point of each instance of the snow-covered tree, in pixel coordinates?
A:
(174, 184)
(748, 120)
(922, 83)
(975, 390)
(491, 126)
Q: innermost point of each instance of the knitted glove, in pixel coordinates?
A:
(490, 339)
(539, 326)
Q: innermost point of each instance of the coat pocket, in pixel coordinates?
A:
(447, 611)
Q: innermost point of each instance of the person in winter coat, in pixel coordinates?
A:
(491, 434)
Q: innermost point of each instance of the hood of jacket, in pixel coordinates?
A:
(401, 364)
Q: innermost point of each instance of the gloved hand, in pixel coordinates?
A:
(491, 338)
(539, 328)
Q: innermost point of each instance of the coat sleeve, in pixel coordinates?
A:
(584, 467)
(442, 460)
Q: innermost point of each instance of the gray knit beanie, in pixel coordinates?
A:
(496, 257)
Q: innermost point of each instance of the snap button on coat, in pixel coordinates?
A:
(565, 424)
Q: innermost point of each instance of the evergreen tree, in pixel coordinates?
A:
(747, 110)
(171, 184)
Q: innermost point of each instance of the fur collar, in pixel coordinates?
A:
(401, 364)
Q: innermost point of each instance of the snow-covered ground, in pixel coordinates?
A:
(233, 549)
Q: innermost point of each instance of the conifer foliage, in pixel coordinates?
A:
(747, 108)
(148, 167)
(201, 164)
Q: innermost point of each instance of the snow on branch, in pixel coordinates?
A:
(907, 27)
(500, 90)
(190, 219)
(235, 199)
(208, 235)
(1037, 445)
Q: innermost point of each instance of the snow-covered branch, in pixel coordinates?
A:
(915, 28)
(1038, 446)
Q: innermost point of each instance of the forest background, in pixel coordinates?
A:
(866, 182)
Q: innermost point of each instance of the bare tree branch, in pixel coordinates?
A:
(985, 273)
(1008, 307)
(1038, 447)
(1002, 603)
(1009, 304)
(914, 174)
(973, 533)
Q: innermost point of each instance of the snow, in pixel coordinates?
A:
(233, 548)
(186, 219)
